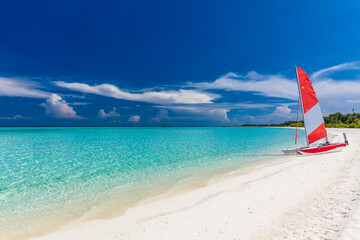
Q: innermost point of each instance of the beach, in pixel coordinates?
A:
(295, 197)
(175, 120)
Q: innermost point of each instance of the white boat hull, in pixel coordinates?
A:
(291, 151)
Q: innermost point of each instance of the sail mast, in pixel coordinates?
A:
(297, 121)
(302, 110)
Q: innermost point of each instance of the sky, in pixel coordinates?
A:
(179, 63)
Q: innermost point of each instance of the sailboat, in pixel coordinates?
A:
(313, 120)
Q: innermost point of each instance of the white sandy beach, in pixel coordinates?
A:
(300, 197)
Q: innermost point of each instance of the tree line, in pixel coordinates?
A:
(334, 120)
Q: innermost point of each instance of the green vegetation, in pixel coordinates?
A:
(338, 120)
(291, 124)
(334, 120)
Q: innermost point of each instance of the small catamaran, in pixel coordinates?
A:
(313, 120)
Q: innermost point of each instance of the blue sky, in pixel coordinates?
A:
(181, 63)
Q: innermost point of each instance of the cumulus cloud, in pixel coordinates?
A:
(282, 112)
(15, 87)
(112, 113)
(134, 119)
(160, 97)
(283, 109)
(247, 119)
(57, 107)
(16, 117)
(161, 115)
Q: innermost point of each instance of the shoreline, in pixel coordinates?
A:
(202, 180)
(241, 205)
(102, 205)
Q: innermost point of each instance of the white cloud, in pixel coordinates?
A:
(337, 89)
(282, 112)
(79, 103)
(134, 119)
(55, 106)
(267, 85)
(283, 109)
(202, 112)
(220, 105)
(15, 117)
(112, 113)
(334, 95)
(217, 112)
(248, 119)
(341, 67)
(15, 87)
(337, 95)
(161, 115)
(160, 97)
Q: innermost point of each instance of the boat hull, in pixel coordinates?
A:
(291, 151)
(322, 149)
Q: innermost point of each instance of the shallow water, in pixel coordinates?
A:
(52, 176)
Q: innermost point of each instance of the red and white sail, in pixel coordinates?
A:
(313, 119)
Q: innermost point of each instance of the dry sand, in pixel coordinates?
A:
(300, 197)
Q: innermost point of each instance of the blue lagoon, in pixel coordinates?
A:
(54, 176)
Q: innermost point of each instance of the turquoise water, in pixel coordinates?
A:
(53, 176)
